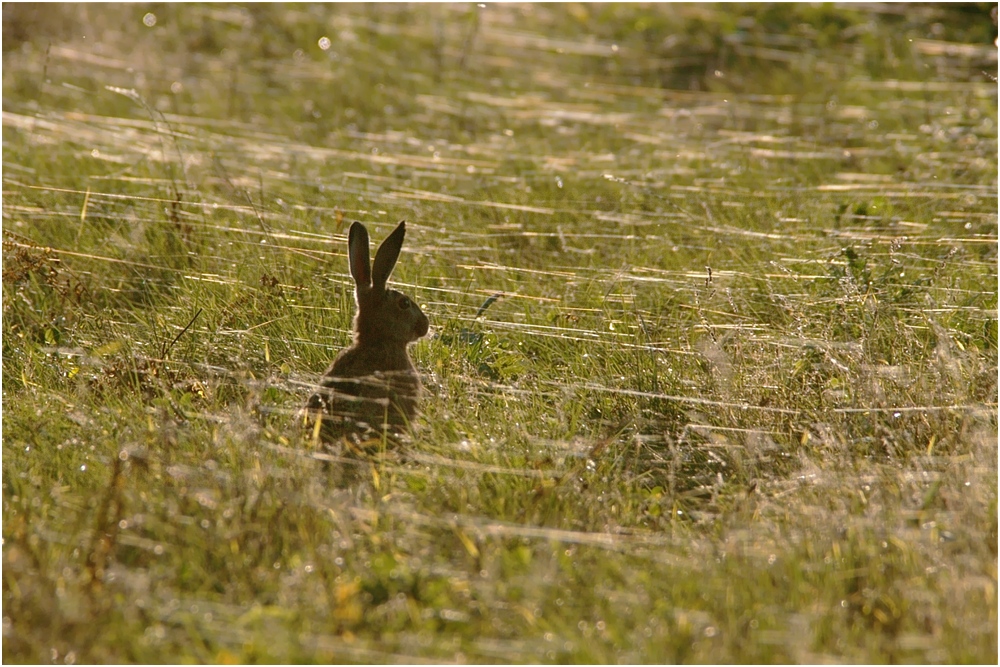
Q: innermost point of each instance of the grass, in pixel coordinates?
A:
(735, 401)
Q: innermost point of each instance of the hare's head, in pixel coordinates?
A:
(383, 314)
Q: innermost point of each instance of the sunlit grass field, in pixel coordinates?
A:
(712, 369)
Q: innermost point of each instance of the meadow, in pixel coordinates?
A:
(712, 369)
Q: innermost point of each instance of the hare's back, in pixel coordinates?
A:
(372, 378)
(360, 361)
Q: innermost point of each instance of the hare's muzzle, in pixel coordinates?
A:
(420, 328)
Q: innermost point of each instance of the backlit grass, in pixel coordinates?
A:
(712, 374)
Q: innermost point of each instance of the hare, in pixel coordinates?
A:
(372, 383)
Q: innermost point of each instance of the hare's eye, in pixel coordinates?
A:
(404, 303)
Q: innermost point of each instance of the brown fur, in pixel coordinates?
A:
(373, 383)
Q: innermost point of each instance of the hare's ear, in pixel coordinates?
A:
(387, 255)
(357, 247)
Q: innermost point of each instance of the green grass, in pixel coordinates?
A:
(736, 403)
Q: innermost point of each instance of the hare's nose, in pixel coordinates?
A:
(420, 329)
